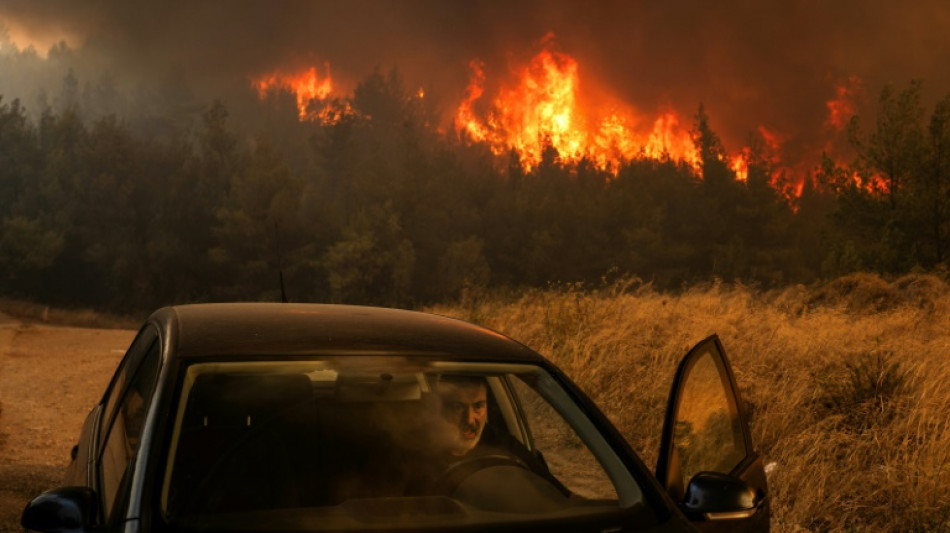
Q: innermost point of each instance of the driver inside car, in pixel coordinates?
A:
(463, 441)
(463, 414)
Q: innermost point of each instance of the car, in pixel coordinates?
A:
(316, 417)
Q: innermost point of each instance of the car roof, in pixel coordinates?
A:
(282, 329)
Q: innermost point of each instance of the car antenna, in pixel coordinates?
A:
(283, 292)
(280, 268)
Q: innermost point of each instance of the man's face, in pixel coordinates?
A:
(464, 411)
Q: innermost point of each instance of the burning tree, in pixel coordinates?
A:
(896, 197)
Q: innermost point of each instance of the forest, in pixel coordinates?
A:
(377, 204)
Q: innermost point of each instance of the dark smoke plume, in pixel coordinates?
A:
(749, 62)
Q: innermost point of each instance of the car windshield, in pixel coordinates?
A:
(366, 442)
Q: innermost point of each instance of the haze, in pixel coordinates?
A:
(751, 63)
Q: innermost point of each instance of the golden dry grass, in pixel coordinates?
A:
(847, 385)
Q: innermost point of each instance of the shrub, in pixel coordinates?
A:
(921, 290)
(858, 293)
(864, 388)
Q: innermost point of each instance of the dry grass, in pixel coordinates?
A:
(847, 385)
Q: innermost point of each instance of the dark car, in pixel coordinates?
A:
(287, 417)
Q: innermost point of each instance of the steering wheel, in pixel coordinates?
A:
(459, 471)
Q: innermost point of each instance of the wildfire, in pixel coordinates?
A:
(465, 119)
(872, 183)
(740, 164)
(542, 106)
(668, 139)
(841, 107)
(768, 150)
(541, 109)
(305, 85)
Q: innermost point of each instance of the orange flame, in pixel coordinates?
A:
(542, 106)
(333, 112)
(465, 119)
(841, 107)
(668, 139)
(541, 109)
(769, 153)
(873, 183)
(740, 164)
(305, 85)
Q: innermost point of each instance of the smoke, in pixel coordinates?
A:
(751, 63)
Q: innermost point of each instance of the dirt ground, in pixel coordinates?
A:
(49, 379)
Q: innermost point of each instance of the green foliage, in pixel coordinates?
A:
(712, 155)
(19, 154)
(463, 267)
(26, 245)
(373, 262)
(935, 182)
(256, 225)
(893, 148)
(381, 206)
(894, 218)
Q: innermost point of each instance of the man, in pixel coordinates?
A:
(466, 448)
(464, 413)
(458, 440)
(449, 429)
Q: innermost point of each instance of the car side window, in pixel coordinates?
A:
(566, 455)
(140, 346)
(123, 435)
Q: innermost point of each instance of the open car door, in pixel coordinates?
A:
(706, 460)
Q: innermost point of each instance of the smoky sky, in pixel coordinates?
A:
(750, 62)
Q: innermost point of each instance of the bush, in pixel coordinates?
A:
(858, 293)
(921, 290)
(864, 388)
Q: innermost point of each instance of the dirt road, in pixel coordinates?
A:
(49, 379)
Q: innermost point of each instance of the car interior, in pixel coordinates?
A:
(350, 443)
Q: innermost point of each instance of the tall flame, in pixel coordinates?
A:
(668, 139)
(306, 85)
(739, 164)
(465, 119)
(541, 109)
(768, 153)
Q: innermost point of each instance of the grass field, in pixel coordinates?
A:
(847, 384)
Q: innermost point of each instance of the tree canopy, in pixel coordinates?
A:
(375, 205)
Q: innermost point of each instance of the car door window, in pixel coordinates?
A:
(123, 436)
(708, 432)
(140, 346)
(565, 454)
(704, 428)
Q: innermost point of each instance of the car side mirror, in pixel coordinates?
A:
(718, 496)
(66, 509)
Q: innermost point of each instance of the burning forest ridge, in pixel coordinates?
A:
(406, 152)
(542, 104)
(307, 86)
